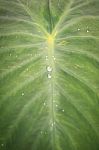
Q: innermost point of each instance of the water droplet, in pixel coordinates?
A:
(22, 94)
(49, 76)
(87, 31)
(78, 29)
(49, 69)
(2, 144)
(63, 110)
(44, 103)
(52, 124)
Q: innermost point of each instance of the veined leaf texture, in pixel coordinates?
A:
(49, 74)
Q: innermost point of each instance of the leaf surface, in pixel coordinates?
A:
(49, 74)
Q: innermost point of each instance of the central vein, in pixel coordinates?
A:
(51, 78)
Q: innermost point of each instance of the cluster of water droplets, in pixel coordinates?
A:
(49, 71)
(53, 57)
(49, 67)
(43, 132)
(87, 30)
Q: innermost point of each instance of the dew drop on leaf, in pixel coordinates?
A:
(49, 76)
(44, 103)
(2, 144)
(52, 124)
(87, 31)
(22, 94)
(49, 69)
(54, 57)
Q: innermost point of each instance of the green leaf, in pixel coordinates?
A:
(49, 74)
